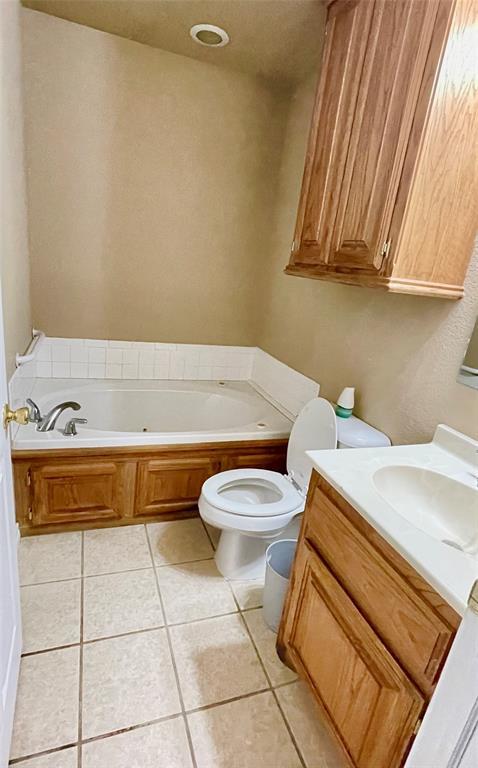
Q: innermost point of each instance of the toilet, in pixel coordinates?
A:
(252, 507)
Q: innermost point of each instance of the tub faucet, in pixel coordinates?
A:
(48, 422)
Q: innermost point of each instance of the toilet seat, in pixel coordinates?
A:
(252, 493)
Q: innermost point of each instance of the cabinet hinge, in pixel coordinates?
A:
(28, 479)
(30, 514)
(292, 247)
(417, 726)
(385, 249)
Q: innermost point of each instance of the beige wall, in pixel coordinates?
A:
(152, 187)
(402, 353)
(13, 224)
(149, 183)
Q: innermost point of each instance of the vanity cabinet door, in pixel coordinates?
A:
(80, 492)
(368, 700)
(166, 485)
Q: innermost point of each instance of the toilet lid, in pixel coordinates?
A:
(315, 429)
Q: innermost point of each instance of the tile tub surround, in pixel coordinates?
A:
(116, 671)
(62, 358)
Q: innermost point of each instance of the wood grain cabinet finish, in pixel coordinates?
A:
(389, 163)
(165, 484)
(369, 699)
(89, 491)
(59, 490)
(364, 629)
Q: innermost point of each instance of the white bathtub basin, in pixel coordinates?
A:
(153, 412)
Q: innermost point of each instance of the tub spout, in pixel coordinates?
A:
(48, 421)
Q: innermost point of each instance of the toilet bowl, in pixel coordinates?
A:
(253, 507)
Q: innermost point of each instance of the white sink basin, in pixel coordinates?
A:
(439, 506)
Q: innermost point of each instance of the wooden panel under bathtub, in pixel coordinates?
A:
(76, 489)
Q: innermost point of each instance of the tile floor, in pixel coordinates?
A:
(138, 654)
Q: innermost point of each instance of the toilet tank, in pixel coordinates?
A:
(355, 433)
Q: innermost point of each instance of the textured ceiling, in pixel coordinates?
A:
(280, 40)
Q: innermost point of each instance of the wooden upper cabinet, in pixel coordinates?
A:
(385, 109)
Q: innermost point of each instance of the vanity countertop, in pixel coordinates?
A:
(451, 572)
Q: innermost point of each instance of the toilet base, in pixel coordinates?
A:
(241, 557)
(244, 557)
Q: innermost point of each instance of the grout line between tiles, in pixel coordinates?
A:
(173, 660)
(135, 727)
(16, 760)
(80, 687)
(137, 632)
(113, 573)
(271, 687)
(51, 581)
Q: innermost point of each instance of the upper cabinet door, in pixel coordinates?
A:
(373, 65)
(397, 50)
(347, 31)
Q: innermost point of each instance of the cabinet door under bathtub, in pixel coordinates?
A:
(89, 492)
(168, 485)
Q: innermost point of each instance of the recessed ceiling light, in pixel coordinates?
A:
(210, 35)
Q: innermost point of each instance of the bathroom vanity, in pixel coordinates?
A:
(374, 602)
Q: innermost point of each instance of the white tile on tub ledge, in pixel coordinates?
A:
(129, 371)
(176, 368)
(114, 356)
(79, 354)
(96, 370)
(143, 345)
(96, 354)
(146, 372)
(146, 357)
(161, 372)
(60, 353)
(205, 373)
(113, 371)
(60, 370)
(43, 370)
(130, 357)
(96, 342)
(79, 370)
(120, 344)
(43, 351)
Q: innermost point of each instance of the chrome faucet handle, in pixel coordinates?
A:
(35, 416)
(70, 426)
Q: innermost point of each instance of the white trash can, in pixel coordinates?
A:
(279, 559)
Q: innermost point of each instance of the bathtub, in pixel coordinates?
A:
(136, 413)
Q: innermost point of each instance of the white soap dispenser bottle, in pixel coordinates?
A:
(345, 403)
